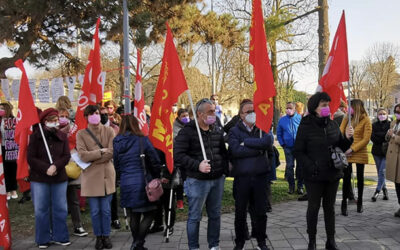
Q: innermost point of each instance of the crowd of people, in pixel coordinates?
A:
(117, 155)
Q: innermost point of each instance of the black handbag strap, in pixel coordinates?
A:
(94, 138)
(143, 159)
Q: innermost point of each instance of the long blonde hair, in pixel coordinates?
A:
(63, 102)
(359, 112)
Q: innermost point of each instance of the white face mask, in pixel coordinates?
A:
(52, 124)
(251, 118)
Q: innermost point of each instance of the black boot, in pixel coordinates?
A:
(99, 243)
(360, 207)
(344, 208)
(312, 244)
(385, 194)
(331, 244)
(375, 196)
(140, 245)
(107, 242)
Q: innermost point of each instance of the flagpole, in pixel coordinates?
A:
(348, 103)
(197, 125)
(45, 144)
(127, 105)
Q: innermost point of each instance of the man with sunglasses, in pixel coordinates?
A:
(205, 177)
(250, 150)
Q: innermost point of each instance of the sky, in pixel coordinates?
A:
(368, 22)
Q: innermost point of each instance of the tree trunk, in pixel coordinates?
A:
(274, 68)
(323, 35)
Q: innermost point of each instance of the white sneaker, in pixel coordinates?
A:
(215, 248)
(79, 231)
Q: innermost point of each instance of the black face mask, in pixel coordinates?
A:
(104, 118)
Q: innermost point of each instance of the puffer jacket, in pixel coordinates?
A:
(362, 136)
(311, 149)
(287, 130)
(128, 164)
(249, 152)
(379, 130)
(188, 154)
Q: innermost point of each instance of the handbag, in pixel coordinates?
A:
(72, 170)
(153, 188)
(339, 158)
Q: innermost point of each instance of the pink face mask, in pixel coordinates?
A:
(382, 117)
(211, 119)
(2, 112)
(351, 111)
(325, 111)
(63, 121)
(94, 119)
(397, 116)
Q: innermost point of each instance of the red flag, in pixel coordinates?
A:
(138, 110)
(26, 117)
(5, 229)
(264, 80)
(90, 93)
(171, 84)
(336, 70)
(96, 87)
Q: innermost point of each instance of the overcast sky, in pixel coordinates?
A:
(368, 22)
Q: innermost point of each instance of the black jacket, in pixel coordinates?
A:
(379, 130)
(249, 152)
(311, 148)
(188, 154)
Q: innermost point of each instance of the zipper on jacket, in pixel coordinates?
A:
(210, 148)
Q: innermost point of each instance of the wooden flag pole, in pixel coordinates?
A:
(197, 125)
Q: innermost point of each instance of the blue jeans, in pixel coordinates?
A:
(100, 211)
(50, 204)
(289, 171)
(380, 162)
(200, 192)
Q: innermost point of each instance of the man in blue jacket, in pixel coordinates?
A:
(248, 149)
(286, 133)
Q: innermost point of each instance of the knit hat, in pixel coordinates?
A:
(46, 113)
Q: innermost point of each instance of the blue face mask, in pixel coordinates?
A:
(185, 120)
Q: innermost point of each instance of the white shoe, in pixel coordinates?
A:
(215, 248)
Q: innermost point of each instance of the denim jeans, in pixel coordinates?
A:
(200, 192)
(380, 162)
(50, 204)
(289, 171)
(100, 211)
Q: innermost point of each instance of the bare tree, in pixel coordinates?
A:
(381, 60)
(358, 80)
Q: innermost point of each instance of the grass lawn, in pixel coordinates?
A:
(23, 220)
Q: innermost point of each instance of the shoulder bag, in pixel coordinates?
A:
(154, 188)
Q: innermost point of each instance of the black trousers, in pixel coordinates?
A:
(347, 181)
(140, 224)
(325, 191)
(179, 192)
(397, 185)
(250, 192)
(163, 207)
(73, 205)
(114, 206)
(10, 175)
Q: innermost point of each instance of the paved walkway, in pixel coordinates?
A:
(376, 228)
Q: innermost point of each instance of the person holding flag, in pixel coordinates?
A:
(205, 178)
(317, 135)
(251, 156)
(49, 181)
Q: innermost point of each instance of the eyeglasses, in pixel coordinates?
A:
(202, 101)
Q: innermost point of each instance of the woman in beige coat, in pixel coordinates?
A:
(98, 180)
(393, 153)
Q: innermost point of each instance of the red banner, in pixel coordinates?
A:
(26, 117)
(171, 84)
(336, 70)
(91, 92)
(264, 80)
(138, 110)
